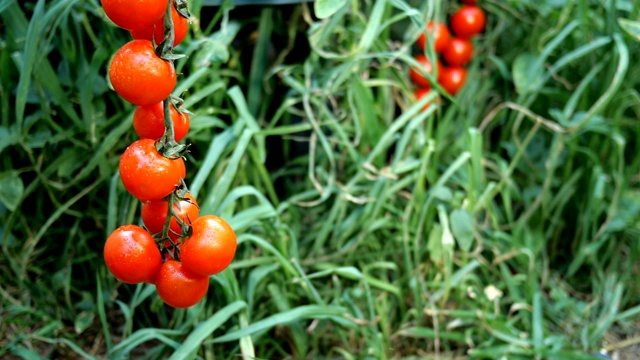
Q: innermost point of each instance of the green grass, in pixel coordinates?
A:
(504, 223)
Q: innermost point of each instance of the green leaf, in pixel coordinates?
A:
(34, 35)
(326, 8)
(525, 72)
(38, 139)
(205, 329)
(25, 353)
(631, 27)
(462, 228)
(286, 317)
(11, 189)
(434, 245)
(8, 137)
(83, 321)
(211, 51)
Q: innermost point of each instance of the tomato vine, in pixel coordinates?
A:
(152, 169)
(454, 46)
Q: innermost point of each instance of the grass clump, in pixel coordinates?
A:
(503, 223)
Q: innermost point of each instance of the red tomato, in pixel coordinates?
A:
(211, 247)
(180, 27)
(139, 75)
(154, 215)
(468, 21)
(179, 288)
(148, 121)
(131, 14)
(420, 93)
(470, 2)
(459, 52)
(148, 175)
(131, 255)
(417, 77)
(440, 33)
(452, 79)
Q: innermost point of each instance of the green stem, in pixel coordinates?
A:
(166, 228)
(168, 123)
(169, 37)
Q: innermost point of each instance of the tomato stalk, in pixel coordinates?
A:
(175, 199)
(168, 145)
(164, 50)
(170, 134)
(169, 36)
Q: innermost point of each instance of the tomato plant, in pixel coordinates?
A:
(132, 14)
(152, 169)
(179, 288)
(148, 121)
(139, 75)
(440, 34)
(459, 52)
(131, 255)
(452, 79)
(416, 75)
(211, 247)
(468, 21)
(180, 24)
(154, 215)
(148, 175)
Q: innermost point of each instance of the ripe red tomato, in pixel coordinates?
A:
(440, 33)
(211, 247)
(468, 21)
(131, 255)
(178, 287)
(131, 14)
(148, 121)
(417, 77)
(180, 27)
(154, 214)
(452, 79)
(470, 2)
(459, 52)
(139, 75)
(148, 175)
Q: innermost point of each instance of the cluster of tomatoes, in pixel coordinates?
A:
(456, 50)
(178, 249)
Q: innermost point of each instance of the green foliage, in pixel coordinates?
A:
(503, 223)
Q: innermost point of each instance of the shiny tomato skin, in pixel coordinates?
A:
(211, 247)
(179, 288)
(441, 36)
(148, 121)
(148, 175)
(132, 255)
(131, 14)
(459, 52)
(417, 77)
(139, 75)
(452, 79)
(180, 27)
(154, 215)
(468, 21)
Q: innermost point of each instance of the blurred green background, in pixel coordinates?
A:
(503, 224)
